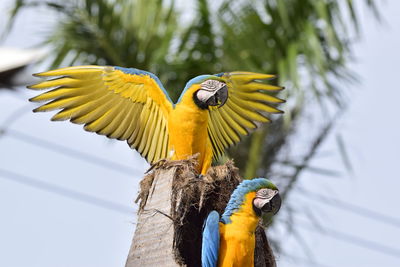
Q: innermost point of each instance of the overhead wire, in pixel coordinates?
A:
(353, 239)
(59, 190)
(70, 152)
(33, 140)
(62, 191)
(344, 205)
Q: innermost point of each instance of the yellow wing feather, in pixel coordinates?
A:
(125, 104)
(247, 104)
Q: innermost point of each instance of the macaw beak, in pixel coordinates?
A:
(268, 203)
(214, 93)
(222, 96)
(273, 205)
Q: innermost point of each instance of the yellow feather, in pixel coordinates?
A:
(135, 135)
(229, 135)
(70, 101)
(123, 87)
(87, 74)
(109, 121)
(219, 138)
(230, 108)
(258, 96)
(245, 77)
(97, 111)
(248, 114)
(144, 117)
(160, 139)
(233, 123)
(66, 92)
(134, 127)
(138, 95)
(112, 121)
(148, 131)
(79, 110)
(259, 86)
(164, 151)
(63, 81)
(217, 146)
(116, 86)
(253, 105)
(103, 121)
(122, 124)
(128, 121)
(78, 70)
(154, 135)
(163, 140)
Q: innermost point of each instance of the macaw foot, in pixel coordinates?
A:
(200, 176)
(155, 165)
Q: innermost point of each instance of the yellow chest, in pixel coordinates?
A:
(237, 239)
(187, 128)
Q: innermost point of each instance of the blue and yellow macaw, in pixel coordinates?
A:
(212, 113)
(230, 240)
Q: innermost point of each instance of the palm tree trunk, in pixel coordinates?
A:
(153, 238)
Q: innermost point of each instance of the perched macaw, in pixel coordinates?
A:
(230, 240)
(212, 113)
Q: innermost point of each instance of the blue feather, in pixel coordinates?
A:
(220, 74)
(240, 192)
(210, 241)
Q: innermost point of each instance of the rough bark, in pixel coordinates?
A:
(153, 238)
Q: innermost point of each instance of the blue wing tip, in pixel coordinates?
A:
(214, 216)
(210, 242)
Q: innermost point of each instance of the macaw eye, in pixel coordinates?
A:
(263, 192)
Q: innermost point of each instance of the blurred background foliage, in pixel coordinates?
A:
(306, 42)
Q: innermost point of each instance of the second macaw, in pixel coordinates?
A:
(229, 241)
(212, 113)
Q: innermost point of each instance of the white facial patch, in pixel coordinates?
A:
(208, 89)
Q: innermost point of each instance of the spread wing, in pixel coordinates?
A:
(210, 241)
(247, 104)
(121, 103)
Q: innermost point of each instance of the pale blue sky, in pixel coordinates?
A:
(40, 228)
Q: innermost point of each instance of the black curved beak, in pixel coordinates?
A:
(273, 205)
(222, 96)
(269, 203)
(219, 97)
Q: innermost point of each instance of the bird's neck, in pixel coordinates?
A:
(246, 217)
(186, 98)
(187, 128)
